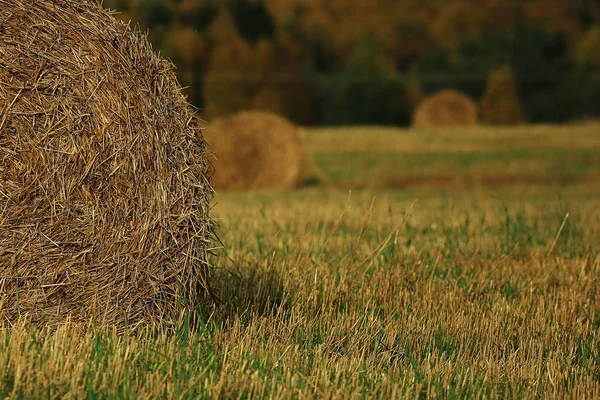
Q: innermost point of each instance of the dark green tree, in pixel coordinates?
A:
(367, 91)
(198, 14)
(154, 13)
(540, 59)
(252, 18)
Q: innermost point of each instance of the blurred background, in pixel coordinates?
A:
(371, 62)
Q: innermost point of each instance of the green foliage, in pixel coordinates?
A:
(367, 91)
(540, 60)
(189, 51)
(411, 38)
(281, 85)
(197, 14)
(252, 18)
(222, 30)
(227, 88)
(154, 13)
(552, 46)
(458, 22)
(121, 5)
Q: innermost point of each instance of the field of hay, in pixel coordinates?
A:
(462, 264)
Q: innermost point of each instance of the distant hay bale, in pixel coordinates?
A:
(255, 150)
(104, 185)
(445, 108)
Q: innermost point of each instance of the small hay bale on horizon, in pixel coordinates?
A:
(105, 191)
(255, 150)
(446, 108)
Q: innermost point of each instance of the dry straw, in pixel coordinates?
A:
(255, 150)
(104, 192)
(446, 108)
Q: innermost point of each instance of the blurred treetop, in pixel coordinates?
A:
(276, 53)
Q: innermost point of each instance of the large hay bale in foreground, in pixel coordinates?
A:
(255, 150)
(103, 178)
(445, 108)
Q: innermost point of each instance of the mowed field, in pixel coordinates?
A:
(412, 264)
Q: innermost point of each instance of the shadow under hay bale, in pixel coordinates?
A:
(249, 289)
(255, 150)
(104, 180)
(445, 108)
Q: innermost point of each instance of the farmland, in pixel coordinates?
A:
(452, 263)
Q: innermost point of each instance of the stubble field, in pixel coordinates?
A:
(454, 263)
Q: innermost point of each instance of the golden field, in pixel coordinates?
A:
(412, 264)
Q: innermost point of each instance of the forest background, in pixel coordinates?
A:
(349, 62)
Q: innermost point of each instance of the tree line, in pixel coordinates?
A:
(333, 62)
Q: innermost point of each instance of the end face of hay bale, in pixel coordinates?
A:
(104, 180)
(446, 108)
(255, 150)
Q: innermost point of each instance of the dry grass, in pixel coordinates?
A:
(485, 293)
(454, 157)
(445, 108)
(255, 150)
(104, 181)
(469, 295)
(454, 139)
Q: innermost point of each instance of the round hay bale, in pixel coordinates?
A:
(103, 177)
(255, 150)
(445, 108)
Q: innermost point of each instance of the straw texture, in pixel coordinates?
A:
(446, 108)
(255, 150)
(104, 179)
